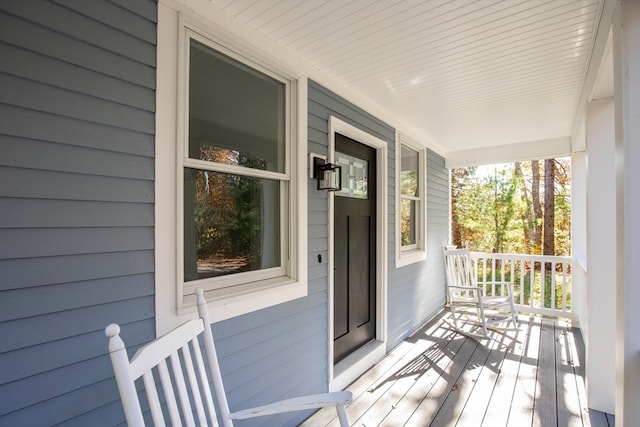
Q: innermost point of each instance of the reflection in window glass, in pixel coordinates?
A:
(408, 209)
(235, 107)
(409, 174)
(355, 175)
(232, 224)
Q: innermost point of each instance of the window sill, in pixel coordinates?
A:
(231, 302)
(238, 300)
(410, 257)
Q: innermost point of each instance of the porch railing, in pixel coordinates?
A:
(542, 284)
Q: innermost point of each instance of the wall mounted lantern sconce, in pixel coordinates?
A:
(328, 175)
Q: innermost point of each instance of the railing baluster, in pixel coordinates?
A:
(493, 276)
(564, 286)
(532, 281)
(522, 282)
(532, 269)
(553, 285)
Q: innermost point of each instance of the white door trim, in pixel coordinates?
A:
(350, 368)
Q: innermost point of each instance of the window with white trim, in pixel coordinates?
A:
(411, 202)
(237, 207)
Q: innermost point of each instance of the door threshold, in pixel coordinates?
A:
(357, 363)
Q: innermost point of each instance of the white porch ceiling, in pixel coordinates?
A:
(462, 74)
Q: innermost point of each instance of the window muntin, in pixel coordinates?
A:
(236, 148)
(410, 200)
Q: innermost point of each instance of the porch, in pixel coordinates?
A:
(533, 376)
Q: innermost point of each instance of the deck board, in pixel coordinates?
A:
(523, 400)
(496, 415)
(440, 359)
(545, 408)
(532, 376)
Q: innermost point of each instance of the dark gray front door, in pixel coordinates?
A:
(354, 248)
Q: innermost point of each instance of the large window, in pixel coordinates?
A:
(411, 202)
(235, 172)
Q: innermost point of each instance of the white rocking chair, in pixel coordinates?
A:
(464, 293)
(194, 393)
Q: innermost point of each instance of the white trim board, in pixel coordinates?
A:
(541, 149)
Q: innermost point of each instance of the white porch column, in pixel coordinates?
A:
(626, 51)
(579, 240)
(601, 249)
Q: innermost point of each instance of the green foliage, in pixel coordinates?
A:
(492, 208)
(486, 207)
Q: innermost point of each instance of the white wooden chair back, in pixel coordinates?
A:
(463, 291)
(460, 274)
(177, 354)
(168, 358)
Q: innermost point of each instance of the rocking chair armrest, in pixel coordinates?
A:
(467, 288)
(314, 401)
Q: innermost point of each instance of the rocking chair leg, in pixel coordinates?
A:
(514, 318)
(455, 318)
(481, 315)
(342, 416)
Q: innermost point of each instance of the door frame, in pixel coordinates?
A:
(351, 367)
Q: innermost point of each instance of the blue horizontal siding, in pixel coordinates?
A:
(27, 302)
(39, 184)
(20, 28)
(48, 356)
(55, 101)
(36, 125)
(34, 213)
(73, 24)
(44, 155)
(61, 74)
(88, 240)
(77, 101)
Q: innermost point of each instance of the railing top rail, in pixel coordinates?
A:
(520, 257)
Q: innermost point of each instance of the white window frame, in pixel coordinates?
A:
(252, 290)
(410, 254)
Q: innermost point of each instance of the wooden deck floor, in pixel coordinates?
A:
(530, 377)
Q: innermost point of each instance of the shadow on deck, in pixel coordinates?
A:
(532, 376)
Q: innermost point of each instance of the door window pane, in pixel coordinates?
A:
(231, 224)
(235, 107)
(355, 175)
